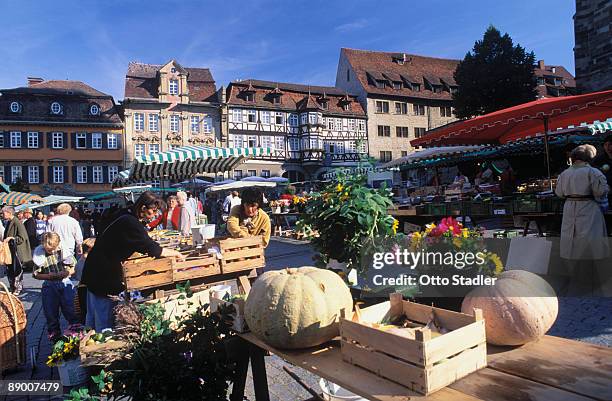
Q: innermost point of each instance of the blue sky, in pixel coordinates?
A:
(288, 41)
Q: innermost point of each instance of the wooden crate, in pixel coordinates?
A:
(423, 364)
(241, 254)
(195, 266)
(145, 272)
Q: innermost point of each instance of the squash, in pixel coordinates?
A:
(297, 307)
(520, 307)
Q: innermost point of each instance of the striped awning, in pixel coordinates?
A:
(187, 161)
(601, 127)
(330, 175)
(18, 198)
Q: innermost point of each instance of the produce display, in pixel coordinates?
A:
(297, 307)
(520, 307)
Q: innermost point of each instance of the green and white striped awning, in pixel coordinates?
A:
(187, 161)
(18, 198)
(330, 175)
(600, 127)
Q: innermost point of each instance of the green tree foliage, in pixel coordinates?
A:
(20, 185)
(495, 75)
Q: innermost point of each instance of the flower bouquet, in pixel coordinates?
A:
(65, 356)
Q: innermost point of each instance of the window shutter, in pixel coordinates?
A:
(41, 175)
(65, 144)
(66, 177)
(74, 174)
(7, 174)
(119, 139)
(24, 140)
(50, 174)
(49, 143)
(90, 174)
(105, 174)
(88, 140)
(104, 140)
(73, 136)
(25, 176)
(5, 139)
(40, 143)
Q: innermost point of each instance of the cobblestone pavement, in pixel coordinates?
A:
(583, 319)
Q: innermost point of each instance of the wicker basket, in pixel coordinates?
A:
(13, 323)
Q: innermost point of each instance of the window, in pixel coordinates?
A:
(2, 173)
(237, 115)
(33, 140)
(195, 124)
(238, 141)
(304, 118)
(153, 149)
(348, 75)
(404, 153)
(385, 156)
(397, 85)
(153, 122)
(251, 116)
(237, 174)
(15, 107)
(346, 107)
(384, 130)
(338, 124)
(249, 97)
(293, 120)
(81, 174)
(112, 172)
(339, 147)
(251, 173)
(97, 174)
(15, 139)
(294, 144)
(351, 124)
(58, 174)
(16, 172)
(57, 140)
(279, 143)
(419, 109)
(330, 123)
(2, 141)
(138, 122)
(276, 99)
(252, 141)
(94, 109)
(155, 183)
(352, 147)
(207, 125)
(173, 87)
(139, 150)
(265, 117)
(266, 141)
(324, 104)
(279, 118)
(312, 118)
(265, 173)
(56, 108)
(174, 123)
(401, 108)
(96, 140)
(382, 107)
(81, 140)
(419, 132)
(381, 84)
(446, 111)
(416, 87)
(402, 132)
(362, 125)
(112, 141)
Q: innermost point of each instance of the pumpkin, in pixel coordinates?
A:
(297, 307)
(520, 307)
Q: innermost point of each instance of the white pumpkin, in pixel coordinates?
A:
(520, 307)
(297, 307)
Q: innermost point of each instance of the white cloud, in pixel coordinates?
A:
(352, 26)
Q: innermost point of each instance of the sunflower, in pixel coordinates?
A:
(496, 260)
(395, 226)
(339, 188)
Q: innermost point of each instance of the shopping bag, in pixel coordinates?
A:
(5, 254)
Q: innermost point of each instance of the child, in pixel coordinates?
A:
(57, 289)
(81, 303)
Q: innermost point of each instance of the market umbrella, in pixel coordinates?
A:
(279, 180)
(443, 151)
(254, 178)
(188, 161)
(238, 185)
(49, 200)
(18, 198)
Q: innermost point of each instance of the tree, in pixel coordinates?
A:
(20, 185)
(495, 75)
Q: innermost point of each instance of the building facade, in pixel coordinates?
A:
(553, 80)
(60, 137)
(168, 106)
(404, 96)
(593, 45)
(310, 129)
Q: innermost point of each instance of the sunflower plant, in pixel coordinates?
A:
(346, 219)
(65, 349)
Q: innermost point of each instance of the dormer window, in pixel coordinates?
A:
(249, 97)
(15, 107)
(416, 87)
(56, 108)
(324, 104)
(173, 70)
(346, 106)
(276, 99)
(381, 84)
(94, 110)
(173, 87)
(397, 85)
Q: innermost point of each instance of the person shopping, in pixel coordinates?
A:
(103, 274)
(16, 236)
(170, 218)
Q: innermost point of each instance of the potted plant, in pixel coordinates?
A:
(65, 355)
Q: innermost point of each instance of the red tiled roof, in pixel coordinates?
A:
(141, 82)
(295, 97)
(415, 69)
(568, 81)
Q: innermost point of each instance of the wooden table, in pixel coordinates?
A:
(552, 368)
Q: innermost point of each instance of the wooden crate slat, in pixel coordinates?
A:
(385, 366)
(195, 272)
(242, 253)
(149, 280)
(382, 341)
(448, 319)
(233, 266)
(231, 243)
(156, 265)
(454, 342)
(455, 368)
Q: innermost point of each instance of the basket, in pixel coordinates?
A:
(13, 323)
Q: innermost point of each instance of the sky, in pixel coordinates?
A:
(277, 40)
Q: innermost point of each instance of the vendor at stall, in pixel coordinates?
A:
(247, 219)
(103, 273)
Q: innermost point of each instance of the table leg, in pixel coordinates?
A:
(258, 369)
(526, 230)
(539, 226)
(241, 351)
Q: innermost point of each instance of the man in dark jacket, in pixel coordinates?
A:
(17, 237)
(30, 226)
(603, 161)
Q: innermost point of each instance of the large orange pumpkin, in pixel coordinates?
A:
(520, 307)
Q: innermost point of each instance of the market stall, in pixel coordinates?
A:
(14, 198)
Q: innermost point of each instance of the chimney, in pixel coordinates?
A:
(34, 81)
(541, 65)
